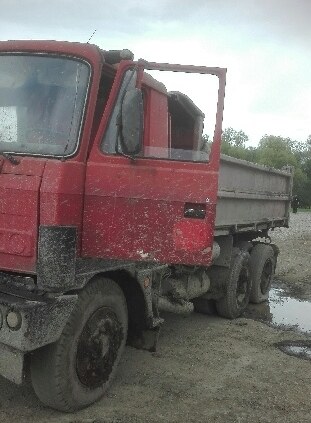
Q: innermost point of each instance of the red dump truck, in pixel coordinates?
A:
(112, 209)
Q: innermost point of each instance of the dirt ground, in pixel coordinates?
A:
(294, 265)
(207, 369)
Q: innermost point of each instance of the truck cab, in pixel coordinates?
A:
(104, 185)
(66, 117)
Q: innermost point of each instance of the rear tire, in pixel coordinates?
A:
(238, 287)
(77, 370)
(262, 267)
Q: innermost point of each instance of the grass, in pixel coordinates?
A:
(304, 210)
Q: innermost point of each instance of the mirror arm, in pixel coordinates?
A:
(140, 72)
(120, 136)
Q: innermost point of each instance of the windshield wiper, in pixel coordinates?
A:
(9, 157)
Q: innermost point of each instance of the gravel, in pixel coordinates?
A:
(294, 263)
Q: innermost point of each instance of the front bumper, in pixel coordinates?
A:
(39, 320)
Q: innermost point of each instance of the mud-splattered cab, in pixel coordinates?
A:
(103, 186)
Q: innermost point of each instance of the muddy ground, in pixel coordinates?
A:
(207, 369)
(294, 265)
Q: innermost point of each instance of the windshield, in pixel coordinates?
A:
(41, 103)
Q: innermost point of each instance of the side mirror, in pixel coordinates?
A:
(132, 122)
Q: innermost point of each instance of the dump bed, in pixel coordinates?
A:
(251, 197)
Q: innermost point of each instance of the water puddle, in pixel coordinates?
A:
(283, 311)
(287, 313)
(300, 349)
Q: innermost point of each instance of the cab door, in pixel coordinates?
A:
(157, 204)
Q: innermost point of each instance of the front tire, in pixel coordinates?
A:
(77, 370)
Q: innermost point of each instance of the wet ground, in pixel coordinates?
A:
(209, 369)
(299, 349)
(289, 312)
(289, 305)
(283, 311)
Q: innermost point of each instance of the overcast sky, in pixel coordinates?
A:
(265, 44)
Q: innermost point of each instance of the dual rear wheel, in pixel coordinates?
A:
(249, 280)
(238, 287)
(262, 267)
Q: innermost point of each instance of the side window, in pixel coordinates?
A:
(110, 142)
(173, 124)
(179, 137)
(105, 86)
(186, 127)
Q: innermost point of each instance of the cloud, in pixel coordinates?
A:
(286, 19)
(264, 43)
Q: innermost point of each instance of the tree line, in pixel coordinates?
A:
(274, 151)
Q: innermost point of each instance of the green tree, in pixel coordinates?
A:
(304, 188)
(276, 151)
(234, 138)
(233, 144)
(205, 143)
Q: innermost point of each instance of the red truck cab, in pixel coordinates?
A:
(102, 175)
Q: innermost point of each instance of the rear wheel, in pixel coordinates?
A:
(238, 287)
(262, 266)
(77, 370)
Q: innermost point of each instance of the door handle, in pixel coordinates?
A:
(195, 211)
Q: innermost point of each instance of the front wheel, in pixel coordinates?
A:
(76, 371)
(238, 287)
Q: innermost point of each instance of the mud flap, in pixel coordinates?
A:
(147, 340)
(11, 364)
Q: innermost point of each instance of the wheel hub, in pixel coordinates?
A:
(98, 347)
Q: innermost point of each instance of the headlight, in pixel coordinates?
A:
(14, 320)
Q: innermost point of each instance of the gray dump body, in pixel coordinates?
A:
(251, 197)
